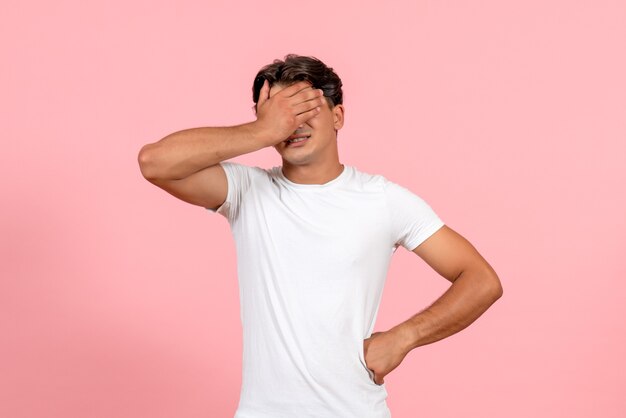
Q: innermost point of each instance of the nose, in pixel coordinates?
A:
(302, 129)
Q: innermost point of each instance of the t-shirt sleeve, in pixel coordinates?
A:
(412, 218)
(239, 178)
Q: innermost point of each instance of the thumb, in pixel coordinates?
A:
(377, 380)
(263, 93)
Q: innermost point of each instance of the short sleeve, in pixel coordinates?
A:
(412, 219)
(239, 178)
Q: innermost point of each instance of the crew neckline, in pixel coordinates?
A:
(330, 183)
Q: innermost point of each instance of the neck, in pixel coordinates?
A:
(319, 173)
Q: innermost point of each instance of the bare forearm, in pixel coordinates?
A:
(185, 152)
(471, 294)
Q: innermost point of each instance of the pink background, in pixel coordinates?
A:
(508, 118)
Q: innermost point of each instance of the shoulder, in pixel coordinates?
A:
(382, 184)
(237, 169)
(401, 196)
(367, 181)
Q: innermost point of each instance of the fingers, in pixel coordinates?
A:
(300, 92)
(295, 88)
(307, 102)
(311, 94)
(298, 102)
(304, 116)
(311, 103)
(294, 94)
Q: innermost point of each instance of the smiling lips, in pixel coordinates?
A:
(297, 138)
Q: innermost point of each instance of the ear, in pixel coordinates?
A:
(338, 116)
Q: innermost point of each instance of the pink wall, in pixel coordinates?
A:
(118, 300)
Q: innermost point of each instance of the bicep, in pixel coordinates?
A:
(207, 188)
(449, 253)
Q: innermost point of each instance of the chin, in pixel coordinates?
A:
(303, 160)
(293, 155)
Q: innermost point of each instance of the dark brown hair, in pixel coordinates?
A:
(296, 68)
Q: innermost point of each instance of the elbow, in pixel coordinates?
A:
(499, 292)
(494, 287)
(488, 285)
(145, 158)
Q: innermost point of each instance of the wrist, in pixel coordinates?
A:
(407, 336)
(260, 134)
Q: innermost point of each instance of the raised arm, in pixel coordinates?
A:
(186, 163)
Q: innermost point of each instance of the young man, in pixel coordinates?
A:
(314, 239)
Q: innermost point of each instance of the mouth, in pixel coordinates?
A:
(294, 139)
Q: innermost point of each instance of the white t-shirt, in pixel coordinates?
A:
(312, 260)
